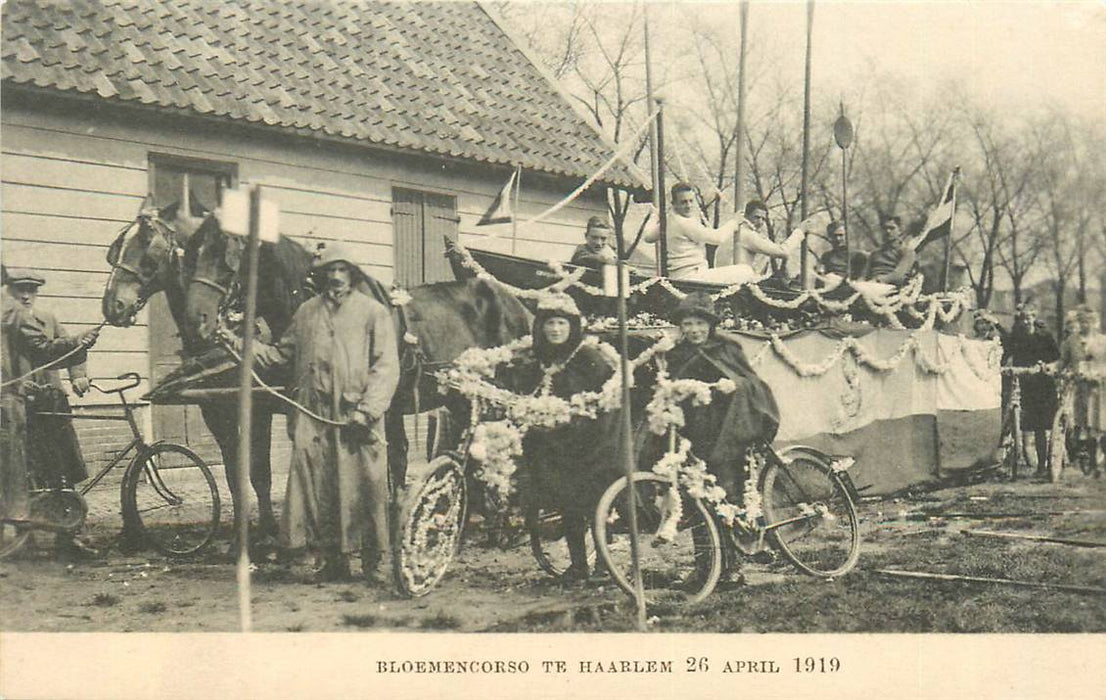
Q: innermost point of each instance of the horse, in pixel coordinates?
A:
(147, 257)
(433, 326)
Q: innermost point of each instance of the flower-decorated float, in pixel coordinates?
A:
(890, 379)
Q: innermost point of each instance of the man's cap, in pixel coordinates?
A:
(22, 275)
(598, 222)
(327, 253)
(696, 304)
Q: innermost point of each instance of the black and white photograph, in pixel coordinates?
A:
(767, 335)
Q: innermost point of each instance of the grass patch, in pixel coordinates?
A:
(348, 596)
(153, 608)
(440, 621)
(359, 620)
(295, 628)
(104, 600)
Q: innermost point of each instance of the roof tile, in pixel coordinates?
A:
(438, 77)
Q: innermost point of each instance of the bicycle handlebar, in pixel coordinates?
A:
(133, 378)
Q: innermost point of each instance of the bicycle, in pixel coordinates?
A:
(433, 524)
(168, 495)
(808, 515)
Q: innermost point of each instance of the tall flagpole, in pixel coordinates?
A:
(654, 158)
(804, 209)
(659, 192)
(739, 128)
(514, 209)
(952, 221)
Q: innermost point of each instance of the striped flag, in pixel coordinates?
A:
(500, 210)
(939, 222)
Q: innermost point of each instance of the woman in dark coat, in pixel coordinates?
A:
(1029, 344)
(568, 466)
(721, 431)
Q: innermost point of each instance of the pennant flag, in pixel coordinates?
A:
(500, 210)
(939, 222)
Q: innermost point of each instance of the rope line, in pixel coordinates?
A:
(299, 407)
(51, 363)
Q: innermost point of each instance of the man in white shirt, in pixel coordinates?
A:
(688, 238)
(687, 235)
(754, 247)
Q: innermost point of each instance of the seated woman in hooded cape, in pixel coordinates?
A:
(569, 466)
(721, 431)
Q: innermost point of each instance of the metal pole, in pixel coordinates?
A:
(739, 128)
(803, 208)
(845, 214)
(627, 429)
(245, 415)
(663, 208)
(658, 190)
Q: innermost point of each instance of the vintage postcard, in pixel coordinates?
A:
(590, 349)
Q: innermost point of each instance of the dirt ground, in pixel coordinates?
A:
(502, 590)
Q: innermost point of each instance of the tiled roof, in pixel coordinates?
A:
(436, 77)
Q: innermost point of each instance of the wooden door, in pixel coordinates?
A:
(180, 424)
(420, 223)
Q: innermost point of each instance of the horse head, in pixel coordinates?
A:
(146, 258)
(215, 259)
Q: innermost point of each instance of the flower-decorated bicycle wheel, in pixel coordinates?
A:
(430, 529)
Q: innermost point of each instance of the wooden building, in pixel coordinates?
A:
(384, 125)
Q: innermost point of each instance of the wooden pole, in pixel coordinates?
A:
(245, 415)
(663, 208)
(926, 576)
(804, 209)
(948, 239)
(627, 429)
(739, 128)
(514, 209)
(654, 153)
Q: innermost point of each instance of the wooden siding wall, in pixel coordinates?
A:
(70, 179)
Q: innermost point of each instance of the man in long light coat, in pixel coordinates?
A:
(345, 366)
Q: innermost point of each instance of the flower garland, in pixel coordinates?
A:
(905, 299)
(496, 444)
(421, 559)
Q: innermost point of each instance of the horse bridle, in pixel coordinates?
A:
(160, 228)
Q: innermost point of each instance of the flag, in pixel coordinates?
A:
(500, 210)
(939, 222)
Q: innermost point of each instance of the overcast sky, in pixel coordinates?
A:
(1012, 53)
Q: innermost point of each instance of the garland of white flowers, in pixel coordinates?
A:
(496, 444)
(663, 412)
(421, 559)
(904, 300)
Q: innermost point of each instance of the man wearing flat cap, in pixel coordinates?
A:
(595, 251)
(32, 337)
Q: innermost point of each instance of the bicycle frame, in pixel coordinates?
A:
(137, 443)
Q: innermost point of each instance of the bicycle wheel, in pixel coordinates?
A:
(679, 548)
(547, 542)
(12, 538)
(170, 496)
(430, 530)
(811, 518)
